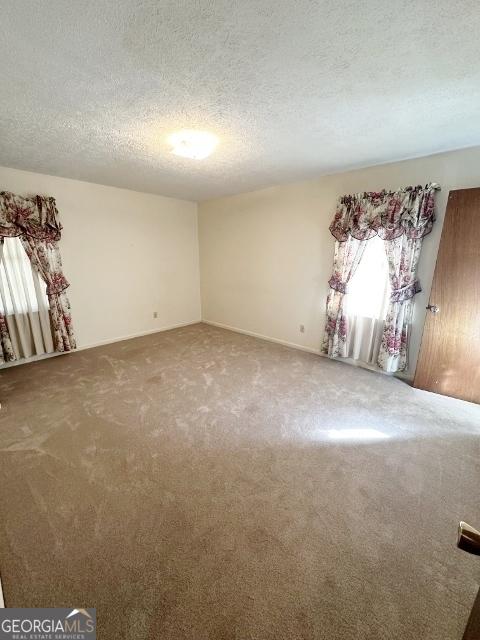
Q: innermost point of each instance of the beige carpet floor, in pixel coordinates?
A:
(200, 484)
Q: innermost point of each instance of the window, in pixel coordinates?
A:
(24, 302)
(369, 289)
(22, 289)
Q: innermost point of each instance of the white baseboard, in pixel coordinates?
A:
(301, 347)
(139, 334)
(285, 343)
(260, 336)
(100, 343)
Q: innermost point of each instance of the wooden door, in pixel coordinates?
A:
(449, 360)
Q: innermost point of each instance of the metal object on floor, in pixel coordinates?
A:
(468, 539)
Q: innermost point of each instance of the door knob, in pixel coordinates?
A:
(468, 539)
(433, 308)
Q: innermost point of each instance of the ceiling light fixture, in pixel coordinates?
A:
(190, 143)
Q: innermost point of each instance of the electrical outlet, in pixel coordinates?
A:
(302, 328)
(155, 314)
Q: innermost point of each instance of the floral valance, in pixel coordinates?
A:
(34, 217)
(388, 214)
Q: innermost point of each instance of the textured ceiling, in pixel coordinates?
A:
(294, 89)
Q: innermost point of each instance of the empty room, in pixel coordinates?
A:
(239, 320)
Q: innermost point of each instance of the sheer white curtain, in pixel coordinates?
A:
(24, 302)
(367, 303)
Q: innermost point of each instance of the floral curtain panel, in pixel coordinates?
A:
(403, 254)
(35, 221)
(401, 218)
(7, 353)
(345, 262)
(45, 258)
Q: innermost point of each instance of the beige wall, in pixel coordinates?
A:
(266, 256)
(125, 253)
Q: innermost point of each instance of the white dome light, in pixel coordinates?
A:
(193, 144)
